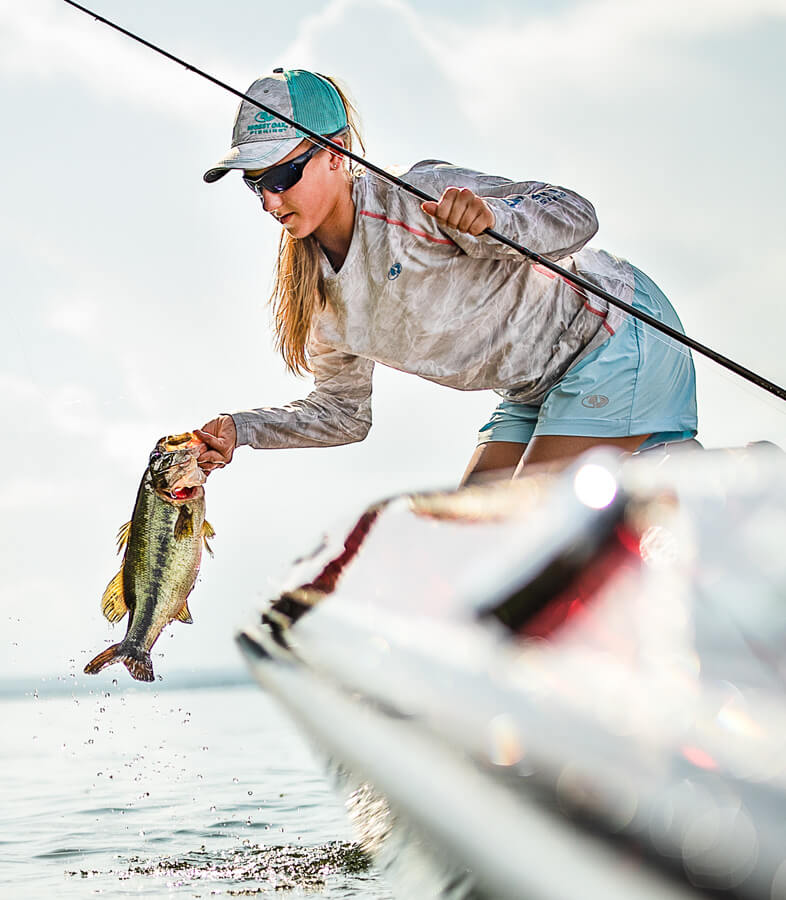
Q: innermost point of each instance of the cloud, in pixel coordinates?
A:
(77, 317)
(503, 63)
(586, 48)
(48, 39)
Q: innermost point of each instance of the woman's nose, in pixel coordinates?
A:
(270, 200)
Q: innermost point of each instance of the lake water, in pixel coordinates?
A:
(156, 792)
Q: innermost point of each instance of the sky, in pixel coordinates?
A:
(134, 295)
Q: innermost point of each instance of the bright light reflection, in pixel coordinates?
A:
(595, 486)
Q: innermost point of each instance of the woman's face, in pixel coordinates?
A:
(307, 205)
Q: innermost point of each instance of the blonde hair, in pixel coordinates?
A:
(298, 287)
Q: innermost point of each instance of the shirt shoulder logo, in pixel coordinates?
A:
(395, 271)
(547, 195)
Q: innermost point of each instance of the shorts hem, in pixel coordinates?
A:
(614, 428)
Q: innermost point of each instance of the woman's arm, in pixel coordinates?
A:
(547, 219)
(337, 411)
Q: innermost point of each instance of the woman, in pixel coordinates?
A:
(367, 274)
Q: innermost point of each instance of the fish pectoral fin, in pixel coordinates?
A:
(113, 603)
(123, 535)
(184, 526)
(207, 532)
(185, 615)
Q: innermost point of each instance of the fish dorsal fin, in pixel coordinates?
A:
(123, 535)
(185, 615)
(207, 532)
(113, 603)
(184, 526)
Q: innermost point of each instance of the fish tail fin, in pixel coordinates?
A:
(139, 664)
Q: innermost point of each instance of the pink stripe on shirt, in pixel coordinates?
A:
(428, 237)
(574, 287)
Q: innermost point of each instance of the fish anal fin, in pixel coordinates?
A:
(185, 615)
(184, 526)
(122, 536)
(207, 532)
(113, 603)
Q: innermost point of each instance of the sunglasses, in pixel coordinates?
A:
(283, 177)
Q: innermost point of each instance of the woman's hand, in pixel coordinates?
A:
(461, 209)
(220, 439)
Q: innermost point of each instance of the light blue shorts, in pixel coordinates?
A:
(638, 382)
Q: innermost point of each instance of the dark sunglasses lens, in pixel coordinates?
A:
(283, 179)
(279, 179)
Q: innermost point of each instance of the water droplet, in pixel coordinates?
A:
(250, 793)
(235, 781)
(114, 682)
(212, 809)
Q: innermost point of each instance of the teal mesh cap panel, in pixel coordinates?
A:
(315, 102)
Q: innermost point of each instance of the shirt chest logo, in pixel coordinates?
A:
(394, 272)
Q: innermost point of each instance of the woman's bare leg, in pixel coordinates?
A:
(557, 450)
(495, 459)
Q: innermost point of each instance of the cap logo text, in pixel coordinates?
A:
(265, 123)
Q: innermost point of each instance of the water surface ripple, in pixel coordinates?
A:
(158, 793)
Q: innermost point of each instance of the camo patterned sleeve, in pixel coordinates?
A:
(337, 411)
(550, 220)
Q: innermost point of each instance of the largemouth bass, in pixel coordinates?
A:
(163, 549)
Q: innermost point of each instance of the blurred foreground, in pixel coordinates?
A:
(566, 686)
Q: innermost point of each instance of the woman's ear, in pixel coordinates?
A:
(335, 158)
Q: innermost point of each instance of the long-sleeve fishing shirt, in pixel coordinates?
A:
(463, 311)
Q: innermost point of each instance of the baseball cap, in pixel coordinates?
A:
(260, 139)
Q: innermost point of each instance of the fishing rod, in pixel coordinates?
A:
(569, 277)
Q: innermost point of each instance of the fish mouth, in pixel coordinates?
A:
(180, 494)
